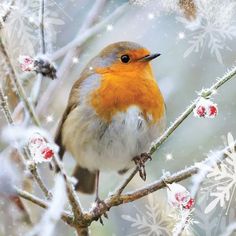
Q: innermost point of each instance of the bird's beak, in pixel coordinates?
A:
(149, 57)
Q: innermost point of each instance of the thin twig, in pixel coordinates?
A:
(66, 216)
(26, 155)
(4, 18)
(73, 198)
(41, 26)
(37, 85)
(91, 18)
(90, 32)
(77, 42)
(19, 87)
(4, 106)
(115, 200)
(206, 93)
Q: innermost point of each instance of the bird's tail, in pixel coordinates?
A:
(86, 180)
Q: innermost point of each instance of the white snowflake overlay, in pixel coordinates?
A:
(152, 222)
(214, 25)
(21, 27)
(224, 177)
(218, 189)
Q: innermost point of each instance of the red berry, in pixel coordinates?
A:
(201, 111)
(47, 153)
(212, 110)
(190, 204)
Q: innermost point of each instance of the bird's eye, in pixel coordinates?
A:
(125, 58)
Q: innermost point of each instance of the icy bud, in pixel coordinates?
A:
(44, 66)
(40, 149)
(179, 196)
(205, 108)
(40, 65)
(26, 63)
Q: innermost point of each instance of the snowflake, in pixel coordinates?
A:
(224, 177)
(185, 222)
(21, 26)
(215, 24)
(154, 221)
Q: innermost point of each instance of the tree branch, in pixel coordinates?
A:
(73, 199)
(115, 200)
(91, 18)
(66, 217)
(206, 93)
(81, 39)
(24, 156)
(86, 218)
(19, 87)
(41, 26)
(4, 18)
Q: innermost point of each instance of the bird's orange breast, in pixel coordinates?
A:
(120, 89)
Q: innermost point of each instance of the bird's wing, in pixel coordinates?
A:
(72, 104)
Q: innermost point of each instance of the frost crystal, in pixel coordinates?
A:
(212, 28)
(224, 177)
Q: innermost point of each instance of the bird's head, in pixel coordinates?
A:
(122, 57)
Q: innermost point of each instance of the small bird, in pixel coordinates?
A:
(115, 111)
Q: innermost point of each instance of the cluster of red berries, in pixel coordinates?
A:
(205, 108)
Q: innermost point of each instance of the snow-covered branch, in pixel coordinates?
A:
(20, 90)
(65, 216)
(25, 156)
(4, 17)
(205, 93)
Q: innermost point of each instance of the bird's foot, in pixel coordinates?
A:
(98, 204)
(140, 163)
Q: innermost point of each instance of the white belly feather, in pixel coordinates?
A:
(100, 146)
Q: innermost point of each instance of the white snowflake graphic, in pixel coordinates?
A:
(215, 24)
(152, 222)
(21, 27)
(224, 177)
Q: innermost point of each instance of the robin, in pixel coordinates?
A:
(115, 111)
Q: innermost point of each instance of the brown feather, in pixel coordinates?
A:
(86, 179)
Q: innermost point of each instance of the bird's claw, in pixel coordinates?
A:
(99, 202)
(140, 163)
